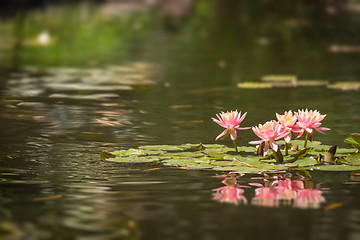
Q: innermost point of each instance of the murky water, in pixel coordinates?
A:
(160, 82)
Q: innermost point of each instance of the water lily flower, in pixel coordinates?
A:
(309, 120)
(288, 121)
(230, 121)
(269, 133)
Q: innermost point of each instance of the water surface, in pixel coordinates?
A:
(140, 78)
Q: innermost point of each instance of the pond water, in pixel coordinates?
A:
(77, 80)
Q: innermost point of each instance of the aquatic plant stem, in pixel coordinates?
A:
(235, 146)
(278, 156)
(306, 139)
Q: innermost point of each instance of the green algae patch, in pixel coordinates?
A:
(218, 157)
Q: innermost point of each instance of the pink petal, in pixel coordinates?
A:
(321, 129)
(256, 142)
(221, 134)
(243, 116)
(221, 123)
(273, 145)
(242, 128)
(287, 138)
(233, 134)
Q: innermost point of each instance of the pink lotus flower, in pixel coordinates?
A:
(288, 121)
(309, 120)
(269, 132)
(230, 121)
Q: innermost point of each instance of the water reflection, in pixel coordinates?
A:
(275, 191)
(232, 192)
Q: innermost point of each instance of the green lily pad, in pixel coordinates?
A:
(303, 162)
(254, 85)
(335, 168)
(353, 160)
(354, 140)
(222, 158)
(345, 150)
(162, 147)
(134, 159)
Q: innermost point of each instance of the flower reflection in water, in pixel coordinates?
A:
(232, 192)
(309, 198)
(279, 190)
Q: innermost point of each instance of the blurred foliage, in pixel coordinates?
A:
(76, 35)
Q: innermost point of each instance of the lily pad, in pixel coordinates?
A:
(134, 159)
(254, 85)
(162, 147)
(336, 168)
(221, 158)
(354, 140)
(345, 86)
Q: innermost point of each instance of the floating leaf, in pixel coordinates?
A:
(163, 147)
(312, 83)
(221, 158)
(354, 140)
(255, 85)
(281, 80)
(335, 168)
(303, 162)
(134, 159)
(345, 86)
(345, 150)
(353, 160)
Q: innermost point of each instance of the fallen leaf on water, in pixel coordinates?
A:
(151, 169)
(48, 197)
(333, 206)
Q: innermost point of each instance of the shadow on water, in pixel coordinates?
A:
(79, 78)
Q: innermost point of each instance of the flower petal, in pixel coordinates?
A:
(233, 134)
(242, 128)
(273, 145)
(256, 142)
(287, 138)
(222, 134)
